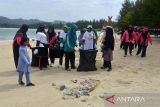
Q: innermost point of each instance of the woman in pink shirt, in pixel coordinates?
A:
(144, 39)
(128, 38)
(137, 34)
(22, 32)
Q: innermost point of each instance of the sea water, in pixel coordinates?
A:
(9, 33)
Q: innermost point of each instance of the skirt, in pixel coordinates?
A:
(108, 55)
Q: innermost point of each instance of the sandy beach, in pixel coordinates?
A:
(129, 75)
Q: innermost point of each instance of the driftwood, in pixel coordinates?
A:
(108, 22)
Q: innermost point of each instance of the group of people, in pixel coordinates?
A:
(50, 45)
(58, 45)
(132, 38)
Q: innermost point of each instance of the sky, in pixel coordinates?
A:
(66, 10)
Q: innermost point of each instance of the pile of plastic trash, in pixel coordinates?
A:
(82, 88)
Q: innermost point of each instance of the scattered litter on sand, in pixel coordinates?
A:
(74, 81)
(79, 88)
(61, 87)
(53, 84)
(84, 99)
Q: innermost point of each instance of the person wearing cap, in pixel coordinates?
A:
(128, 38)
(144, 39)
(62, 38)
(89, 39)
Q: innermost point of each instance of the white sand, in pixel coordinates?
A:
(130, 75)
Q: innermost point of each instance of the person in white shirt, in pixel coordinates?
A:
(62, 38)
(41, 37)
(42, 44)
(89, 39)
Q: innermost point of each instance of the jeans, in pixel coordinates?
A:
(27, 74)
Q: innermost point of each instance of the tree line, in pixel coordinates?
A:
(97, 24)
(140, 13)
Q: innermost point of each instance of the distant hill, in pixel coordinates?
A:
(58, 22)
(5, 20)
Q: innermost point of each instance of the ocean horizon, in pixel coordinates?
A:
(7, 34)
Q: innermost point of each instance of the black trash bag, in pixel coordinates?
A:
(87, 61)
(41, 52)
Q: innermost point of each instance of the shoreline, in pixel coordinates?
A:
(10, 41)
(5, 41)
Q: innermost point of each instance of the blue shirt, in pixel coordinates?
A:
(24, 60)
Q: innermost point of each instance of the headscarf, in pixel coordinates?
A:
(23, 29)
(51, 34)
(65, 26)
(22, 32)
(130, 31)
(145, 33)
(109, 39)
(71, 36)
(82, 31)
(41, 28)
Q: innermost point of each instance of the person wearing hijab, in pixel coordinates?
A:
(136, 41)
(144, 39)
(108, 48)
(62, 39)
(138, 37)
(69, 46)
(42, 43)
(52, 39)
(22, 32)
(128, 38)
